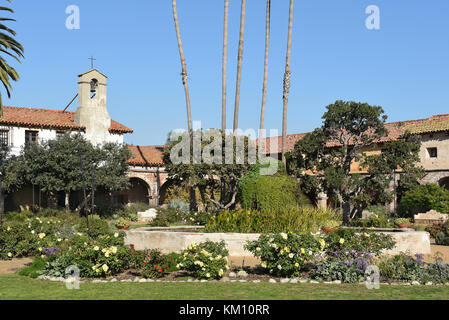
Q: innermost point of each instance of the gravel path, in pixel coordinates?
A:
(11, 266)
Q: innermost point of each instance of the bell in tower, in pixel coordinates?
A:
(92, 112)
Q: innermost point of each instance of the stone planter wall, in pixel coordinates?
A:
(168, 241)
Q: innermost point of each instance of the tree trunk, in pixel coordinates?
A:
(265, 73)
(239, 66)
(225, 61)
(67, 200)
(346, 212)
(287, 80)
(183, 65)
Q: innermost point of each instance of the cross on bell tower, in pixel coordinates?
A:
(92, 59)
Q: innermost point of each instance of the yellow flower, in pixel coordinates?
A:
(9, 229)
(59, 239)
(114, 250)
(322, 243)
(9, 254)
(41, 235)
(105, 268)
(342, 240)
(96, 248)
(303, 251)
(40, 249)
(296, 264)
(284, 236)
(263, 264)
(279, 267)
(115, 235)
(290, 255)
(207, 275)
(33, 232)
(220, 272)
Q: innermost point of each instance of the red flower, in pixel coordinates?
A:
(148, 255)
(144, 262)
(155, 266)
(160, 270)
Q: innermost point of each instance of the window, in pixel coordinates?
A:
(432, 152)
(60, 134)
(4, 141)
(30, 136)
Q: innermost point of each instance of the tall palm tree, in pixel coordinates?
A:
(287, 80)
(265, 73)
(239, 66)
(184, 67)
(12, 48)
(225, 60)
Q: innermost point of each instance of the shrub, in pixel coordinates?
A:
(99, 257)
(207, 260)
(350, 240)
(154, 264)
(270, 193)
(294, 220)
(35, 269)
(179, 205)
(424, 198)
(121, 222)
(402, 221)
(346, 266)
(374, 221)
(285, 254)
(402, 267)
(436, 228)
(97, 226)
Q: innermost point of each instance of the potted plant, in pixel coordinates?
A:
(122, 223)
(402, 222)
(330, 225)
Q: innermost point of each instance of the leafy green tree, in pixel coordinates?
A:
(210, 177)
(275, 193)
(12, 48)
(424, 198)
(323, 158)
(68, 163)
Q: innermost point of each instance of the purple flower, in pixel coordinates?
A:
(50, 251)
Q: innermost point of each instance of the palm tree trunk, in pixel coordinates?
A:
(183, 64)
(265, 73)
(287, 80)
(239, 66)
(225, 60)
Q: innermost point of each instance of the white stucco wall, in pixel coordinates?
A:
(16, 137)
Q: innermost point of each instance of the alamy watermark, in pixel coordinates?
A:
(372, 22)
(73, 21)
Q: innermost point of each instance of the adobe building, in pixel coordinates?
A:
(434, 153)
(20, 126)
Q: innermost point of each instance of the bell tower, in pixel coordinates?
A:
(92, 112)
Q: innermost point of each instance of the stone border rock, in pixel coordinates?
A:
(227, 279)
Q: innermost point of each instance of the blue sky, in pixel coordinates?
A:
(403, 67)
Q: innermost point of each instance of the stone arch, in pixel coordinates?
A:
(444, 182)
(138, 191)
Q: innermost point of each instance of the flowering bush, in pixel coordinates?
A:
(207, 260)
(346, 266)
(285, 254)
(351, 240)
(105, 255)
(27, 238)
(150, 263)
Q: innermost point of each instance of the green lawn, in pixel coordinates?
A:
(19, 287)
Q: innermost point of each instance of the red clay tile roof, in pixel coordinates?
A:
(47, 118)
(437, 123)
(146, 155)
